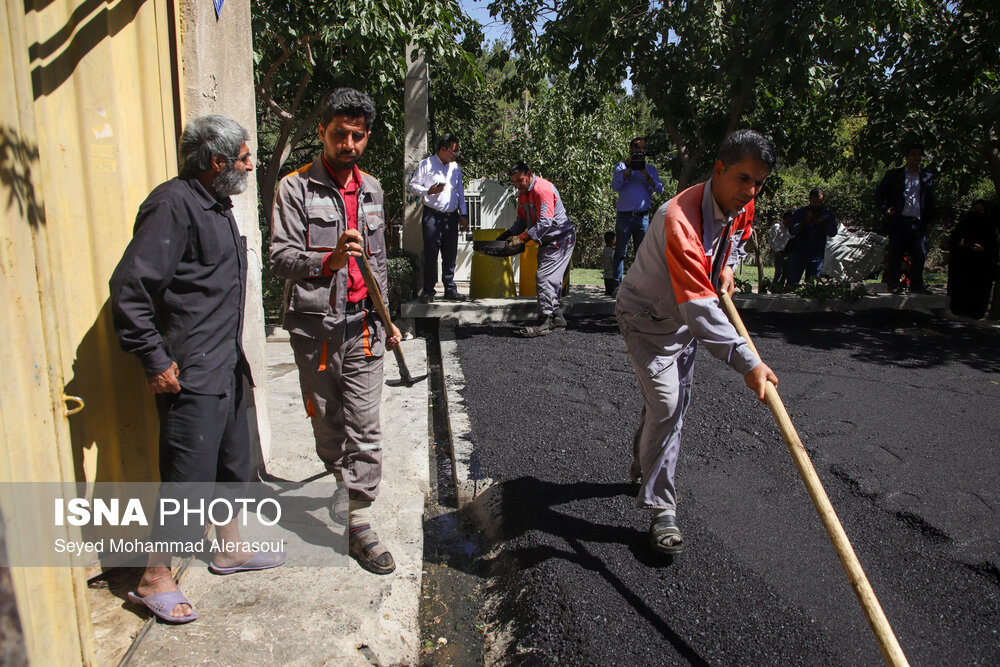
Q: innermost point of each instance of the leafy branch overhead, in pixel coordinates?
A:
(796, 69)
(304, 48)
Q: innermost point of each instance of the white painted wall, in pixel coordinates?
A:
(499, 210)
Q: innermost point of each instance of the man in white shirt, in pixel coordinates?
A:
(438, 180)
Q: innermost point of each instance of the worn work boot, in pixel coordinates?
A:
(368, 550)
(545, 326)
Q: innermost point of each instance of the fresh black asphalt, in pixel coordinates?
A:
(900, 414)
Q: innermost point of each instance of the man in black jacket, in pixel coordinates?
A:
(906, 199)
(177, 300)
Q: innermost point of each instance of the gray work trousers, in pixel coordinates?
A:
(342, 392)
(664, 365)
(553, 261)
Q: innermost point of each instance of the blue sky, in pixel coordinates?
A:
(494, 29)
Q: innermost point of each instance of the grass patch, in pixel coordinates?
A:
(596, 276)
(748, 273)
(586, 277)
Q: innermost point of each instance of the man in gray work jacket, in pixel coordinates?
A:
(326, 215)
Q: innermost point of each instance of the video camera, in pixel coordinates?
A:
(637, 161)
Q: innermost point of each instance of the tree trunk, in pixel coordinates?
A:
(687, 169)
(760, 259)
(524, 99)
(267, 179)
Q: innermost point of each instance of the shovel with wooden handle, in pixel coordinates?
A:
(383, 313)
(887, 642)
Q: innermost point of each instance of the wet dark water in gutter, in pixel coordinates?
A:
(452, 631)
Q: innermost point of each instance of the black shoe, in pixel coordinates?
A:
(426, 298)
(558, 321)
(546, 326)
(453, 296)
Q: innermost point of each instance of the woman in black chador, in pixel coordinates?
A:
(972, 262)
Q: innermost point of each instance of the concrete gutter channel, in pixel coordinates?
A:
(343, 615)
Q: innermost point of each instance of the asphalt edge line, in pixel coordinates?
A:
(403, 595)
(467, 488)
(480, 499)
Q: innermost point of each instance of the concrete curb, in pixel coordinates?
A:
(467, 485)
(792, 303)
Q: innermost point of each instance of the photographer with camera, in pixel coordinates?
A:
(635, 180)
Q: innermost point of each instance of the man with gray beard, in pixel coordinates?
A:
(177, 299)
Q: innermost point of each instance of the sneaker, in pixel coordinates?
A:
(426, 298)
(340, 505)
(453, 295)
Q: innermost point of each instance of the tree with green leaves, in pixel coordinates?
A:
(304, 48)
(712, 67)
(570, 133)
(939, 84)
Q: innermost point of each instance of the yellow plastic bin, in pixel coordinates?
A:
(492, 277)
(527, 286)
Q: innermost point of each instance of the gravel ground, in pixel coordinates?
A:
(899, 413)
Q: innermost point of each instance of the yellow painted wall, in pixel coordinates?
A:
(87, 129)
(104, 108)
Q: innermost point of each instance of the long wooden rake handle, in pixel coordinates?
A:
(887, 642)
(383, 313)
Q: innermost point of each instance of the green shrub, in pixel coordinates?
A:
(273, 289)
(403, 270)
(743, 286)
(824, 290)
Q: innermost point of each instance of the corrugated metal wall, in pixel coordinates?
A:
(89, 130)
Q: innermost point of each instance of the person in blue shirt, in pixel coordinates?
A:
(810, 226)
(635, 181)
